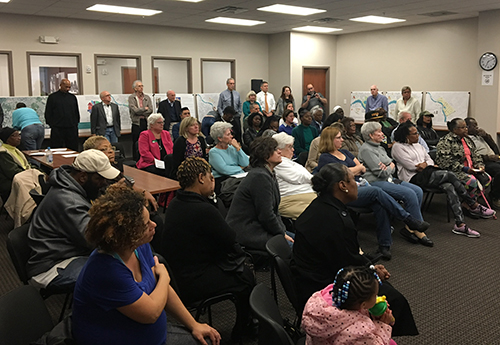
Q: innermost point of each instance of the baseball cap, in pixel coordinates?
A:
(426, 113)
(373, 115)
(95, 161)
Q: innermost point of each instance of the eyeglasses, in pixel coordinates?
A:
(462, 127)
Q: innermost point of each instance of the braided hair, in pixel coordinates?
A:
(354, 285)
(190, 169)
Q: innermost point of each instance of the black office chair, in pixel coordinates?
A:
(271, 325)
(23, 316)
(429, 195)
(281, 254)
(20, 252)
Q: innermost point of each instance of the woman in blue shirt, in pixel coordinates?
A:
(123, 291)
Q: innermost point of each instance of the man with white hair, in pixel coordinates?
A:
(105, 118)
(140, 107)
(171, 110)
(56, 234)
(293, 179)
(376, 100)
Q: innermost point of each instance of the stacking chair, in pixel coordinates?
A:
(281, 254)
(20, 252)
(271, 326)
(429, 194)
(23, 316)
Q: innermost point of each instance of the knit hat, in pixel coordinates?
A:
(95, 161)
(5, 133)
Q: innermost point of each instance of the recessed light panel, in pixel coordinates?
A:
(316, 29)
(123, 10)
(295, 10)
(234, 21)
(377, 20)
(5, 1)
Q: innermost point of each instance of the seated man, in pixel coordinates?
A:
(488, 149)
(175, 128)
(228, 116)
(56, 234)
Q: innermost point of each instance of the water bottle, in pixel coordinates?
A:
(49, 157)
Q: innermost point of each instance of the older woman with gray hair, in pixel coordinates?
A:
(226, 158)
(379, 171)
(249, 102)
(317, 114)
(154, 145)
(407, 103)
(294, 180)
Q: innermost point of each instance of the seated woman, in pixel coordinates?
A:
(416, 166)
(249, 103)
(98, 142)
(294, 180)
(352, 141)
(227, 158)
(326, 241)
(313, 155)
(272, 122)
(457, 153)
(254, 122)
(304, 133)
(254, 211)
(189, 144)
(288, 122)
(200, 247)
(424, 126)
(12, 161)
(154, 144)
(122, 292)
(379, 170)
(382, 204)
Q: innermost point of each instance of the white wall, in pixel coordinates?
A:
(172, 75)
(93, 37)
(312, 50)
(109, 75)
(279, 63)
(4, 75)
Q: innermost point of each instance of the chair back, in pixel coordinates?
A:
(23, 316)
(19, 250)
(279, 249)
(37, 197)
(271, 327)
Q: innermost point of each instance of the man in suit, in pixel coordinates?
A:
(171, 110)
(105, 118)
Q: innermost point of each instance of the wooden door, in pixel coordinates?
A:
(318, 77)
(129, 75)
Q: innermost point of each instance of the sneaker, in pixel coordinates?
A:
(482, 212)
(465, 230)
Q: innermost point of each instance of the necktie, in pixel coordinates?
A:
(232, 99)
(265, 100)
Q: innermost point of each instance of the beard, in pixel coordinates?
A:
(92, 190)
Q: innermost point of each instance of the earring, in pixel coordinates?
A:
(347, 191)
(202, 182)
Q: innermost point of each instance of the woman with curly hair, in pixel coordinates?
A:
(201, 247)
(123, 291)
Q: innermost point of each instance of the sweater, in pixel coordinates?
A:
(62, 110)
(371, 155)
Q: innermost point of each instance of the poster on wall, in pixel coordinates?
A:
(358, 105)
(206, 102)
(446, 105)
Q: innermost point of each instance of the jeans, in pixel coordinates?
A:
(409, 193)
(32, 136)
(383, 206)
(111, 135)
(67, 276)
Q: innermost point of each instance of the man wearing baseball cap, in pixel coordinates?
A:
(56, 234)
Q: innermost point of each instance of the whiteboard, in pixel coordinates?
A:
(446, 105)
(393, 96)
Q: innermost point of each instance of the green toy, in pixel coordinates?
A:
(380, 306)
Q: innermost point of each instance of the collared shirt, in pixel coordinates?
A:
(261, 98)
(412, 106)
(225, 101)
(292, 178)
(482, 147)
(109, 114)
(380, 101)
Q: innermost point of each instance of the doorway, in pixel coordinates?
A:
(319, 77)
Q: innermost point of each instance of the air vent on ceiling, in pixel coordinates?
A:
(231, 10)
(437, 14)
(326, 20)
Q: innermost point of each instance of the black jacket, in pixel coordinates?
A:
(163, 108)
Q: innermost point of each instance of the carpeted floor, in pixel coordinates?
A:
(452, 287)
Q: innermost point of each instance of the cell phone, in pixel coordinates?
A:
(129, 181)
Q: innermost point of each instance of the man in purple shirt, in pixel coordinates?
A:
(376, 100)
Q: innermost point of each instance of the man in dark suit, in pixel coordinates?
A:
(171, 110)
(105, 118)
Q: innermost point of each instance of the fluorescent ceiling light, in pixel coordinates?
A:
(317, 29)
(190, 0)
(377, 20)
(295, 10)
(234, 21)
(123, 10)
(4, 1)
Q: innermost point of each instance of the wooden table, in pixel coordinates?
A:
(155, 184)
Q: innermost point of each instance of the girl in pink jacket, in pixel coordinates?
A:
(338, 314)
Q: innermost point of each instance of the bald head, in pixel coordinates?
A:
(404, 116)
(171, 95)
(105, 97)
(65, 85)
(374, 90)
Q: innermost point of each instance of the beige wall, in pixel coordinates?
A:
(279, 62)
(310, 50)
(93, 37)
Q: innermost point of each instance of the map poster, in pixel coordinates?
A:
(446, 105)
(358, 105)
(206, 102)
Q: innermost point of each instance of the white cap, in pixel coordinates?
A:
(95, 161)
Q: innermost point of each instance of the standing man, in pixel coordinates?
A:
(63, 116)
(376, 100)
(105, 118)
(171, 110)
(407, 103)
(266, 99)
(230, 98)
(140, 106)
(313, 98)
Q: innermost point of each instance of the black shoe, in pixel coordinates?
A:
(426, 241)
(385, 252)
(410, 237)
(417, 225)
